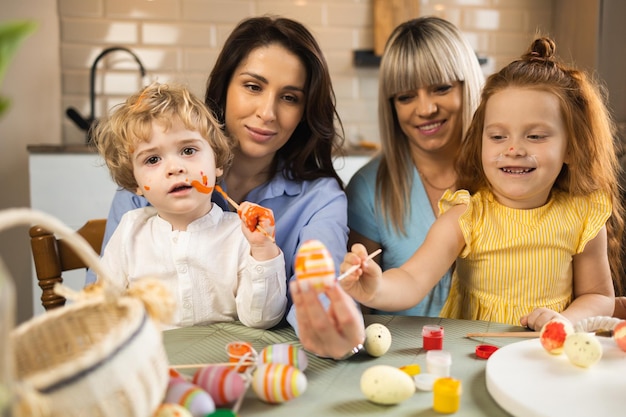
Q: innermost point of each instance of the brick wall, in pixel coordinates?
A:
(180, 40)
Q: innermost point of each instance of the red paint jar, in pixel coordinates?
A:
(432, 337)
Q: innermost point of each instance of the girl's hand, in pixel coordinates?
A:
(538, 317)
(259, 228)
(363, 283)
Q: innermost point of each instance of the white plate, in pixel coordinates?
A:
(527, 381)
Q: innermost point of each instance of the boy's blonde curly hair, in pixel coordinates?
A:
(130, 123)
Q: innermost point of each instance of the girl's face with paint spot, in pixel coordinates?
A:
(176, 173)
(524, 146)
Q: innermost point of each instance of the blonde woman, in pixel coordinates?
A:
(430, 83)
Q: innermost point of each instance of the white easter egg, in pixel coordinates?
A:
(278, 382)
(582, 349)
(384, 384)
(377, 339)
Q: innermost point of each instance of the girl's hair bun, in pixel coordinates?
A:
(542, 49)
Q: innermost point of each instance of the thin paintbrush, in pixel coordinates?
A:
(355, 267)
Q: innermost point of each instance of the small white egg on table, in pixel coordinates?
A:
(377, 339)
(384, 384)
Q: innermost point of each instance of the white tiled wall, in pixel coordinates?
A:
(180, 40)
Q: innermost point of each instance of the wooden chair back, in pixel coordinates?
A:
(53, 256)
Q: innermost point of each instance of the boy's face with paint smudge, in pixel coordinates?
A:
(176, 173)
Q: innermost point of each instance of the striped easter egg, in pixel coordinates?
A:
(276, 382)
(285, 353)
(314, 262)
(222, 383)
(192, 397)
(171, 410)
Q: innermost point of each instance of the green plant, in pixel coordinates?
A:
(11, 35)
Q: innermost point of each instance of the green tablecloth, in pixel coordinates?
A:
(334, 386)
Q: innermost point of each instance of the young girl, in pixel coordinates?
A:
(164, 144)
(531, 240)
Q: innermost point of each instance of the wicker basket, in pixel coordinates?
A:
(100, 356)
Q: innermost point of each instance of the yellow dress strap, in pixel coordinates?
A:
(598, 207)
(450, 199)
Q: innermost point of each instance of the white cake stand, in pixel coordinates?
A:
(527, 381)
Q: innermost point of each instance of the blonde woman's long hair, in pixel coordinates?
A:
(420, 52)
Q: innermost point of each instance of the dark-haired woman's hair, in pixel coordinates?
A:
(308, 153)
(591, 134)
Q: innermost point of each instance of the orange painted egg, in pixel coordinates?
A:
(285, 353)
(553, 335)
(619, 334)
(314, 262)
(276, 382)
(192, 397)
(223, 383)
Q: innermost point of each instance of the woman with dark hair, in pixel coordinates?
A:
(271, 91)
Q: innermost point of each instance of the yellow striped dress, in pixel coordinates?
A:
(517, 260)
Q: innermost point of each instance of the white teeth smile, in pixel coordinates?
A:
(430, 126)
(517, 170)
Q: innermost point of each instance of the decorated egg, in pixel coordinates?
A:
(171, 410)
(384, 384)
(553, 335)
(192, 397)
(377, 339)
(277, 382)
(285, 353)
(314, 264)
(582, 349)
(619, 334)
(222, 383)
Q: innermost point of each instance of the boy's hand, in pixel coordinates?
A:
(259, 228)
(254, 215)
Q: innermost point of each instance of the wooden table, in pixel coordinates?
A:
(334, 386)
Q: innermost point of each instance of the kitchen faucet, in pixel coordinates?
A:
(88, 124)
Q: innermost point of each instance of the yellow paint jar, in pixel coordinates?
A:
(446, 395)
